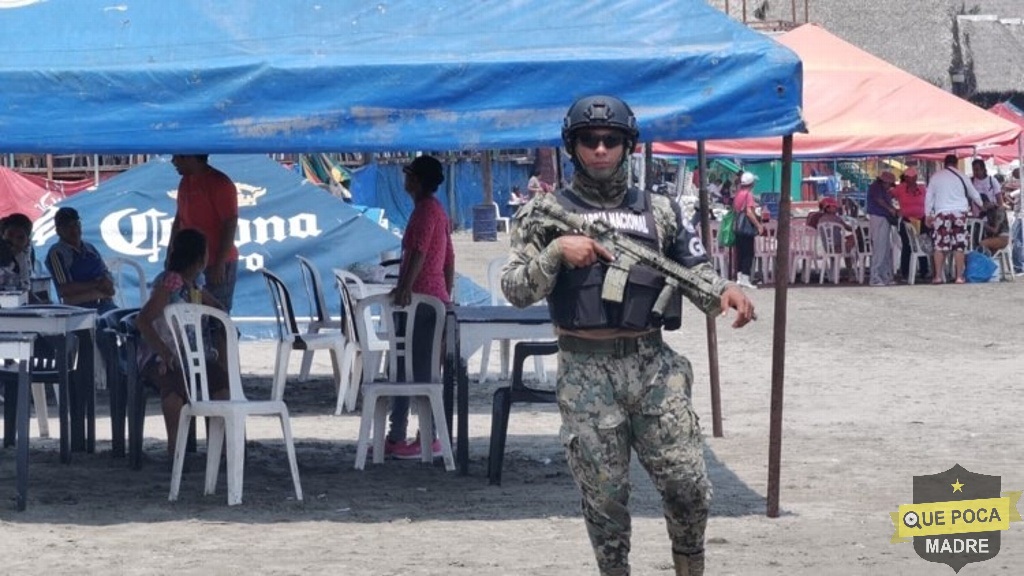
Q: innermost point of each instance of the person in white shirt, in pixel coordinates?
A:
(986, 185)
(946, 204)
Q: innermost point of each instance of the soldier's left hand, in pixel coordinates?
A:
(734, 298)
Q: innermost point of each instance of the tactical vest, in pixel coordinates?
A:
(575, 303)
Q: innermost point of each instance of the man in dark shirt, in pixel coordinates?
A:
(881, 215)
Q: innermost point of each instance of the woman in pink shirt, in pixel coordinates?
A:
(428, 267)
(910, 195)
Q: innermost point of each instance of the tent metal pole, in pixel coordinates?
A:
(680, 183)
(779, 329)
(1020, 171)
(1020, 197)
(648, 166)
(710, 321)
(453, 205)
(485, 172)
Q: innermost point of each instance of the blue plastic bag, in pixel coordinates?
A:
(979, 267)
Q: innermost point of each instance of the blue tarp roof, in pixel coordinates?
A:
(308, 75)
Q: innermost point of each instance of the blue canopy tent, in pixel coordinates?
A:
(130, 216)
(305, 75)
(91, 76)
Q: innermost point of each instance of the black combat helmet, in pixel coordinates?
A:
(599, 112)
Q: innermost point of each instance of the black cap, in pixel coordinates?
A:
(428, 170)
(65, 215)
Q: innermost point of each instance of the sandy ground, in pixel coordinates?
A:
(881, 385)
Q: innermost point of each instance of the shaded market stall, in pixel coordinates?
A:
(88, 76)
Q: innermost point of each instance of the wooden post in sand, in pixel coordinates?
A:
(710, 321)
(779, 328)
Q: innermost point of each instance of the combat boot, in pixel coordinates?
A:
(689, 565)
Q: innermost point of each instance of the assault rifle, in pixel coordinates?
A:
(628, 253)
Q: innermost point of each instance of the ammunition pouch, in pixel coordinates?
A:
(576, 302)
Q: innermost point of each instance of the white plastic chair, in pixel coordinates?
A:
(343, 352)
(366, 321)
(494, 287)
(501, 223)
(37, 365)
(226, 418)
(975, 227)
(916, 250)
(498, 299)
(348, 313)
(765, 249)
(426, 395)
(355, 283)
(803, 252)
(118, 267)
(1004, 258)
(832, 250)
(319, 317)
(43, 411)
(862, 256)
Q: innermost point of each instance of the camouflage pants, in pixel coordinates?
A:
(610, 404)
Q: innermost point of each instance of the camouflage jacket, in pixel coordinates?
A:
(535, 260)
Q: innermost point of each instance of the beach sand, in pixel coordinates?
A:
(881, 384)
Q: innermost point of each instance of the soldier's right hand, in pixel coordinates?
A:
(581, 251)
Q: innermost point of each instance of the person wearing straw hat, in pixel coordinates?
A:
(882, 215)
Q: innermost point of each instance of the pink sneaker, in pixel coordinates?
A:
(389, 448)
(410, 450)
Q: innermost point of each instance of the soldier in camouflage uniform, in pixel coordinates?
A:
(619, 385)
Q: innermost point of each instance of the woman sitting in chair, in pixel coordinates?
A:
(157, 359)
(996, 233)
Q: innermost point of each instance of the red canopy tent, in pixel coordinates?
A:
(1006, 153)
(856, 104)
(20, 194)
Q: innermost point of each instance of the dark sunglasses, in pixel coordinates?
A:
(592, 141)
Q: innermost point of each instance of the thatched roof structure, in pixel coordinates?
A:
(993, 50)
(939, 41)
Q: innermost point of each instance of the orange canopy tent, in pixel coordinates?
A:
(858, 105)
